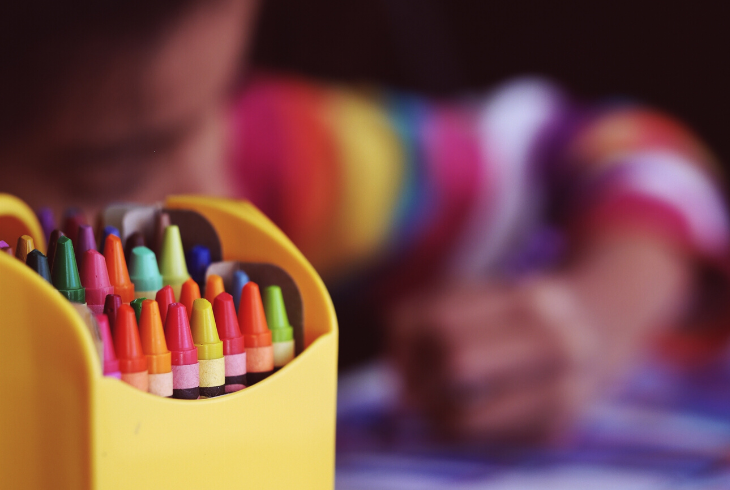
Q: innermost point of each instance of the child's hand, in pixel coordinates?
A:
(496, 361)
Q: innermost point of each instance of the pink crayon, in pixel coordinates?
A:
(95, 279)
(111, 363)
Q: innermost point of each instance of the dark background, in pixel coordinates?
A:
(673, 57)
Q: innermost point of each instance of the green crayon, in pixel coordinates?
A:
(65, 273)
(136, 305)
(282, 333)
(172, 260)
(144, 273)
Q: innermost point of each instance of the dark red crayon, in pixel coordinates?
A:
(112, 302)
(55, 235)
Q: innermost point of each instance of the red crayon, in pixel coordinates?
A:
(179, 339)
(128, 345)
(95, 279)
(234, 349)
(111, 363)
(111, 306)
(74, 219)
(164, 298)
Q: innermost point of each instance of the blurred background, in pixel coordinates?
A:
(669, 56)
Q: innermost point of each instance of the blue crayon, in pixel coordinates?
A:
(108, 230)
(198, 260)
(240, 279)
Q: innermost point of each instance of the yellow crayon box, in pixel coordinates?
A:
(64, 425)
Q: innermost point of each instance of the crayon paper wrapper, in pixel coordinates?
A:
(283, 353)
(161, 384)
(212, 372)
(186, 376)
(138, 380)
(236, 364)
(259, 359)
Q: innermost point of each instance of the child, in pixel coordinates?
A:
(388, 195)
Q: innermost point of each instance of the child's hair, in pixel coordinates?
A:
(44, 41)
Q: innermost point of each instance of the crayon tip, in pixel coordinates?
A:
(55, 235)
(276, 317)
(134, 240)
(111, 363)
(39, 263)
(4, 247)
(224, 312)
(95, 279)
(143, 270)
(252, 319)
(164, 298)
(179, 336)
(136, 305)
(117, 267)
(198, 259)
(172, 259)
(190, 292)
(74, 219)
(205, 333)
(47, 221)
(240, 279)
(112, 302)
(153, 338)
(162, 221)
(24, 247)
(127, 343)
(213, 287)
(65, 273)
(108, 230)
(84, 241)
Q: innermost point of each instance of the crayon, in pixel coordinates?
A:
(162, 221)
(198, 260)
(134, 240)
(39, 263)
(184, 354)
(112, 302)
(210, 350)
(24, 247)
(95, 279)
(55, 235)
(282, 333)
(256, 334)
(73, 220)
(190, 292)
(111, 363)
(65, 274)
(136, 305)
(172, 260)
(213, 287)
(84, 241)
(128, 346)
(108, 230)
(164, 298)
(4, 247)
(144, 273)
(240, 279)
(152, 334)
(116, 265)
(234, 349)
(47, 221)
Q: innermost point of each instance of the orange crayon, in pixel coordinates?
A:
(256, 334)
(155, 348)
(128, 346)
(189, 293)
(117, 268)
(213, 287)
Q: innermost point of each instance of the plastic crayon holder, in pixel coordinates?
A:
(66, 425)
